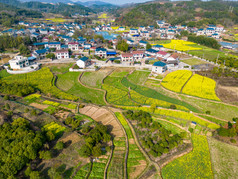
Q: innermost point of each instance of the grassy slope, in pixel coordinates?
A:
(93, 79)
(69, 83)
(139, 77)
(224, 159)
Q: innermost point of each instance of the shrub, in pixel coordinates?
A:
(233, 141)
(59, 145)
(208, 112)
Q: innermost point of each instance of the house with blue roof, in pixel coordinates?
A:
(56, 45)
(159, 67)
(83, 62)
(101, 52)
(151, 52)
(134, 31)
(40, 54)
(157, 47)
(143, 43)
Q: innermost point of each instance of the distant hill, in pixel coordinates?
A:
(58, 8)
(193, 13)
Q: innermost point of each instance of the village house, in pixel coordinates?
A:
(101, 52)
(138, 55)
(62, 54)
(127, 58)
(19, 62)
(73, 46)
(40, 54)
(143, 43)
(159, 67)
(56, 45)
(83, 62)
(134, 31)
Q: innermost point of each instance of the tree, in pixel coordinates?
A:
(85, 151)
(122, 45)
(50, 55)
(50, 135)
(24, 50)
(97, 151)
(153, 107)
(35, 175)
(148, 46)
(59, 145)
(53, 174)
(45, 155)
(28, 171)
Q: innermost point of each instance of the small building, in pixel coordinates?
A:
(61, 54)
(138, 55)
(127, 58)
(159, 67)
(83, 62)
(73, 46)
(143, 43)
(101, 52)
(19, 62)
(56, 45)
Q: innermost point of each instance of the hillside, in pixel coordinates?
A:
(10, 14)
(58, 8)
(191, 13)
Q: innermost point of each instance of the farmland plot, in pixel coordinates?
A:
(175, 81)
(195, 164)
(202, 87)
(138, 77)
(224, 159)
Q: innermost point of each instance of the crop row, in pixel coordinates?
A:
(83, 171)
(135, 156)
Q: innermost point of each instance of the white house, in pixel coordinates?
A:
(19, 62)
(134, 31)
(101, 52)
(73, 46)
(162, 54)
(138, 55)
(159, 67)
(143, 43)
(173, 57)
(61, 54)
(121, 29)
(130, 42)
(83, 62)
(56, 45)
(157, 47)
(127, 57)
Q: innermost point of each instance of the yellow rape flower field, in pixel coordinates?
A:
(181, 45)
(175, 81)
(196, 164)
(201, 86)
(103, 16)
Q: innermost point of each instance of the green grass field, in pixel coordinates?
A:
(196, 164)
(68, 82)
(174, 129)
(224, 159)
(4, 73)
(193, 61)
(220, 110)
(93, 79)
(138, 77)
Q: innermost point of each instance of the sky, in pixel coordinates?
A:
(119, 1)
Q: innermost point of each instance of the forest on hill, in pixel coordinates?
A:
(190, 13)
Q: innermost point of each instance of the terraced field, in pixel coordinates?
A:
(94, 79)
(139, 77)
(136, 161)
(196, 164)
(224, 159)
(201, 86)
(69, 83)
(176, 80)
